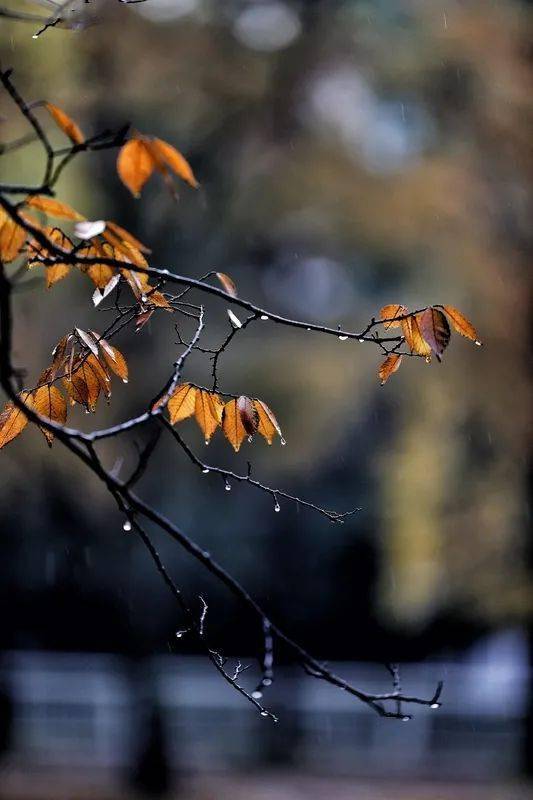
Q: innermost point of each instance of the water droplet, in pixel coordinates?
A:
(257, 695)
(264, 713)
(205, 471)
(124, 380)
(144, 298)
(267, 682)
(361, 341)
(227, 487)
(283, 442)
(406, 719)
(277, 507)
(478, 343)
(435, 705)
(35, 36)
(250, 439)
(179, 634)
(264, 317)
(342, 338)
(207, 441)
(428, 359)
(126, 526)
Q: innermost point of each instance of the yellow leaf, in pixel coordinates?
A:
(389, 366)
(461, 324)
(53, 208)
(182, 403)
(114, 359)
(267, 424)
(414, 338)
(116, 235)
(12, 421)
(12, 237)
(232, 425)
(208, 412)
(389, 313)
(67, 125)
(164, 152)
(135, 164)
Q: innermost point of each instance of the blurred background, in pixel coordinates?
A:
(351, 154)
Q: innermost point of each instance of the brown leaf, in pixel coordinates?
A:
(88, 340)
(435, 330)
(53, 208)
(115, 232)
(208, 412)
(389, 313)
(114, 359)
(267, 422)
(461, 324)
(414, 338)
(49, 402)
(169, 156)
(142, 319)
(389, 367)
(84, 385)
(101, 373)
(12, 421)
(67, 125)
(227, 283)
(12, 237)
(77, 389)
(232, 425)
(135, 164)
(182, 403)
(249, 415)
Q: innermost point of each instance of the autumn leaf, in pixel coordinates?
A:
(388, 313)
(461, 324)
(113, 358)
(267, 423)
(67, 125)
(135, 164)
(54, 272)
(234, 319)
(12, 421)
(85, 384)
(49, 402)
(12, 237)
(172, 158)
(232, 425)
(88, 340)
(208, 412)
(227, 283)
(114, 233)
(182, 403)
(53, 208)
(435, 330)
(415, 341)
(389, 367)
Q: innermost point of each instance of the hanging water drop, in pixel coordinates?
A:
(205, 471)
(227, 487)
(127, 526)
(479, 344)
(277, 507)
(264, 713)
(435, 705)
(264, 317)
(406, 719)
(342, 338)
(207, 441)
(257, 695)
(250, 439)
(267, 682)
(124, 380)
(361, 341)
(283, 442)
(144, 298)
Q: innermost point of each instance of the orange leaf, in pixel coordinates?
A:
(12, 421)
(267, 423)
(435, 330)
(67, 125)
(135, 164)
(232, 425)
(414, 338)
(114, 359)
(182, 403)
(461, 324)
(227, 283)
(114, 231)
(164, 152)
(12, 237)
(49, 402)
(389, 313)
(53, 208)
(389, 367)
(208, 412)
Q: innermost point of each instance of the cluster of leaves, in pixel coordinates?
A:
(240, 418)
(425, 332)
(83, 362)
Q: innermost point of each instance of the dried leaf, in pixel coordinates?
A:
(208, 412)
(114, 359)
(67, 125)
(12, 421)
(234, 319)
(182, 403)
(100, 294)
(114, 233)
(164, 152)
(249, 415)
(232, 425)
(88, 340)
(101, 373)
(142, 319)
(390, 365)
(435, 330)
(227, 283)
(135, 164)
(267, 422)
(49, 402)
(389, 313)
(56, 273)
(53, 208)
(461, 324)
